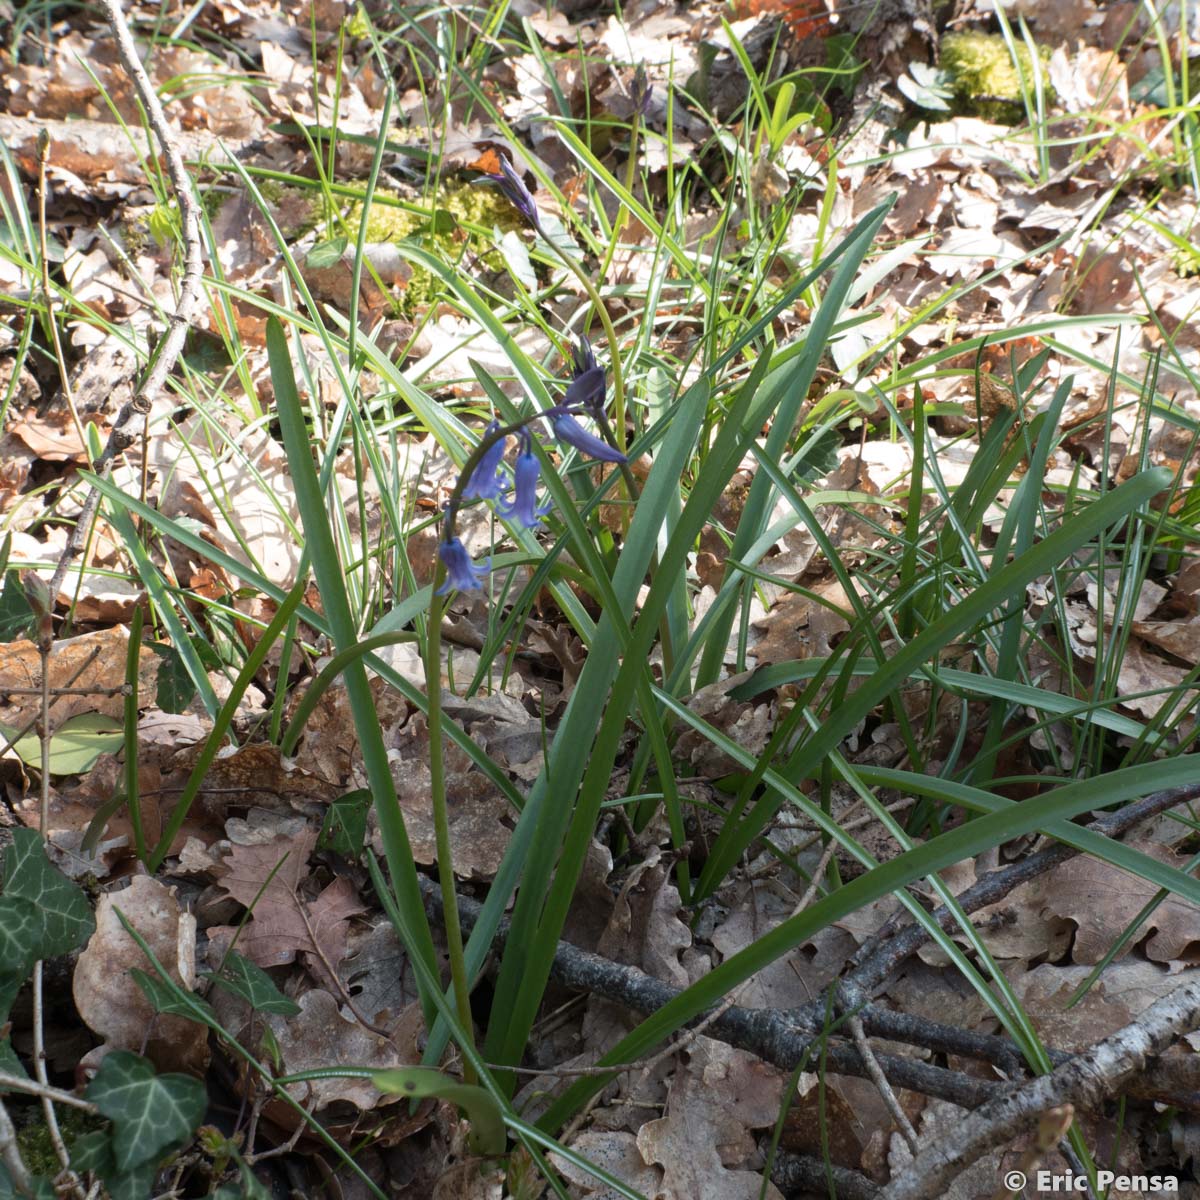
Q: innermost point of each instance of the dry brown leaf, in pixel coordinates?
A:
(110, 1002)
(251, 776)
(319, 1036)
(749, 723)
(644, 930)
(615, 1152)
(480, 816)
(799, 626)
(702, 1141)
(1102, 901)
(1124, 990)
(91, 660)
(1180, 638)
(52, 437)
(284, 923)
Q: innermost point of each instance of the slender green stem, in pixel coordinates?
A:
(614, 354)
(623, 211)
(441, 816)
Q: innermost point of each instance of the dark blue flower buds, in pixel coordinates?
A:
(640, 91)
(461, 573)
(509, 181)
(583, 357)
(586, 390)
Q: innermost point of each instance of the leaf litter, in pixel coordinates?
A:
(975, 205)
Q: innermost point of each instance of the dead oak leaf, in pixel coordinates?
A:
(696, 1139)
(1102, 901)
(284, 923)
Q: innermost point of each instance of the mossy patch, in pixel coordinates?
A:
(459, 230)
(985, 80)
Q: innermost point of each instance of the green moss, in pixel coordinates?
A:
(983, 77)
(33, 1138)
(468, 205)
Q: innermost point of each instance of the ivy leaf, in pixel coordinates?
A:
(175, 686)
(43, 1189)
(93, 1152)
(249, 981)
(251, 1188)
(344, 829)
(15, 614)
(326, 254)
(10, 1064)
(42, 913)
(149, 1112)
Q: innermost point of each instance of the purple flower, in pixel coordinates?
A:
(584, 359)
(461, 573)
(524, 506)
(586, 390)
(569, 432)
(486, 482)
(509, 181)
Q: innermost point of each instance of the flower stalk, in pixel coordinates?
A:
(481, 478)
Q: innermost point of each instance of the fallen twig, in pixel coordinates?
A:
(1082, 1082)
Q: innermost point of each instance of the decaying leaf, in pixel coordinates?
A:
(268, 877)
(704, 1138)
(109, 1001)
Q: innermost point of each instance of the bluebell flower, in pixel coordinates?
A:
(524, 506)
(584, 358)
(509, 181)
(586, 389)
(569, 431)
(486, 482)
(461, 573)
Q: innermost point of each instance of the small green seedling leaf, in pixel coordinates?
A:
(175, 689)
(74, 745)
(487, 1136)
(15, 614)
(249, 981)
(326, 254)
(42, 913)
(150, 1113)
(344, 829)
(172, 999)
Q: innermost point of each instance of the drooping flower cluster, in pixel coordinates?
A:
(484, 479)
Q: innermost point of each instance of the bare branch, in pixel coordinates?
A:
(1083, 1082)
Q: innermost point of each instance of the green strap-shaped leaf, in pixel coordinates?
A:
(74, 745)
(149, 1112)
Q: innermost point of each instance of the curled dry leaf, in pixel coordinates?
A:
(111, 1003)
